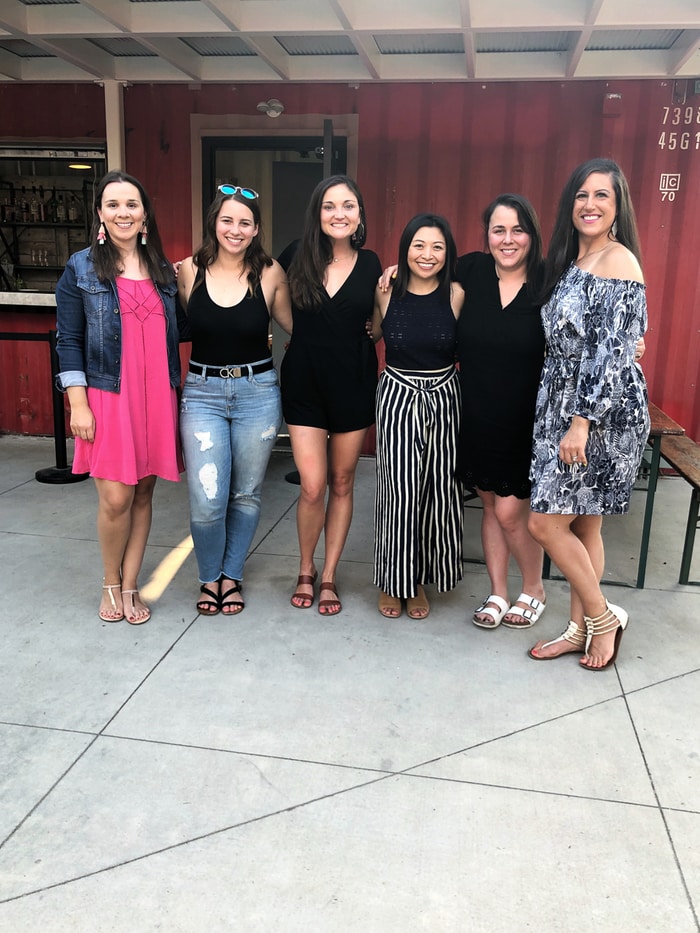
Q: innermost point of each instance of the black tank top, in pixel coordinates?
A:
(420, 332)
(223, 336)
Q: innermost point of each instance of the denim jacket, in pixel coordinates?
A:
(89, 328)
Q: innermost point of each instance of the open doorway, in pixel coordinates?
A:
(283, 170)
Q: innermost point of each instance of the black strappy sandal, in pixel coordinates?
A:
(209, 607)
(231, 608)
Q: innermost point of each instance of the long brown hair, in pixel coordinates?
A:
(563, 248)
(308, 267)
(255, 257)
(107, 259)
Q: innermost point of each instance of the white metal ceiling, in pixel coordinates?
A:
(347, 40)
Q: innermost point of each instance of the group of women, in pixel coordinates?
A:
(546, 416)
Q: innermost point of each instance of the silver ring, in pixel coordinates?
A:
(575, 458)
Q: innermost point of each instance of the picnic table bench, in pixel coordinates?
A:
(683, 454)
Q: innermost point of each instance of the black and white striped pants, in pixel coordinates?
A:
(418, 511)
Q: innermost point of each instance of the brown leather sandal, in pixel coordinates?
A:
(304, 579)
(329, 607)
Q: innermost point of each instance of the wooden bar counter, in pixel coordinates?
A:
(25, 364)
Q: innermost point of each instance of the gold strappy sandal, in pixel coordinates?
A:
(115, 614)
(574, 635)
(614, 619)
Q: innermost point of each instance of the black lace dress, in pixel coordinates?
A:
(500, 352)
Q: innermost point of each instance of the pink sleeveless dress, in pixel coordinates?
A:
(136, 428)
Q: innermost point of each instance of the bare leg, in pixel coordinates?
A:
(123, 523)
(513, 515)
(591, 539)
(310, 449)
(590, 536)
(141, 517)
(588, 529)
(496, 553)
(113, 526)
(344, 452)
(569, 550)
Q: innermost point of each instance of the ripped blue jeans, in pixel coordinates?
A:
(228, 428)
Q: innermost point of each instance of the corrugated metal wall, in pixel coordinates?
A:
(451, 148)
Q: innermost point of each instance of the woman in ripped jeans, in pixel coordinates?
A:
(230, 410)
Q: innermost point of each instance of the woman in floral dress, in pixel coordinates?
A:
(592, 417)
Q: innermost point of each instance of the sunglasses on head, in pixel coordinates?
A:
(230, 190)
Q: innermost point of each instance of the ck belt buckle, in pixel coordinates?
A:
(231, 372)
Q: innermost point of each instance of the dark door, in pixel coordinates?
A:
(284, 170)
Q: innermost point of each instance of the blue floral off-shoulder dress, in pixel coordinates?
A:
(591, 327)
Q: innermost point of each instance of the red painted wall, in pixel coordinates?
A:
(449, 148)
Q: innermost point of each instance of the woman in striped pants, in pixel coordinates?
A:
(418, 506)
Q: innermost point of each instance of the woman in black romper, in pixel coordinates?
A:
(329, 376)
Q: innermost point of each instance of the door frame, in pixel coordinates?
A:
(240, 125)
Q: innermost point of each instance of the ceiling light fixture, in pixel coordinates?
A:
(272, 107)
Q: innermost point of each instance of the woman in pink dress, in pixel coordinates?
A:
(118, 353)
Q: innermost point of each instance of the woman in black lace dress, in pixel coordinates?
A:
(500, 351)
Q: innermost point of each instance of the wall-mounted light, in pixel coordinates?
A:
(272, 107)
(80, 166)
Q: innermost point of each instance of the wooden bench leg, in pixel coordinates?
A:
(690, 536)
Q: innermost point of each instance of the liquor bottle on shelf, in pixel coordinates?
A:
(52, 208)
(34, 207)
(73, 215)
(61, 210)
(24, 207)
(42, 205)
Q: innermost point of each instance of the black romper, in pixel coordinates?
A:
(329, 373)
(500, 352)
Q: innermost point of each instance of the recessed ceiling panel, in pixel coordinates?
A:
(419, 43)
(317, 45)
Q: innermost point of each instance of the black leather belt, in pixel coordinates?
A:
(231, 372)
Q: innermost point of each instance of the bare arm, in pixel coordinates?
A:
(456, 298)
(185, 280)
(276, 292)
(82, 420)
(381, 302)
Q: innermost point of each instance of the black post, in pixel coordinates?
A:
(61, 473)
